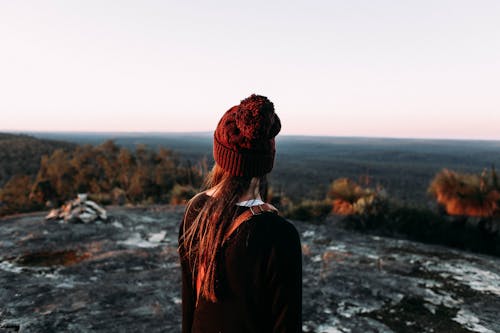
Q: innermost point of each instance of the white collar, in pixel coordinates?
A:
(250, 203)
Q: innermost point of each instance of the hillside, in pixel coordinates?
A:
(20, 154)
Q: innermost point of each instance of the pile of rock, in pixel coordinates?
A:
(78, 210)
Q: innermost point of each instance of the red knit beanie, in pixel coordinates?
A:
(244, 138)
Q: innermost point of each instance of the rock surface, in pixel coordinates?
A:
(124, 276)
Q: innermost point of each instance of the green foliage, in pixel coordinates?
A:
(309, 210)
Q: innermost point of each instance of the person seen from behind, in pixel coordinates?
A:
(241, 261)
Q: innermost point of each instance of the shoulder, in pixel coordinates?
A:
(196, 201)
(273, 229)
(273, 244)
(193, 207)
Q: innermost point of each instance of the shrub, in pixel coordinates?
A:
(309, 210)
(101, 198)
(425, 225)
(180, 194)
(118, 196)
(467, 194)
(350, 198)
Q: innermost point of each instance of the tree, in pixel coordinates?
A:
(57, 171)
(139, 187)
(126, 165)
(15, 195)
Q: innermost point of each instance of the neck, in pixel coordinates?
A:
(252, 192)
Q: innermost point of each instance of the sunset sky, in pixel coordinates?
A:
(422, 69)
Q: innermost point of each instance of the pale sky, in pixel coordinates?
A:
(422, 69)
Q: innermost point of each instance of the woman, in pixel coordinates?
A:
(241, 261)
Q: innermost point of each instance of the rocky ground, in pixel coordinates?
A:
(123, 276)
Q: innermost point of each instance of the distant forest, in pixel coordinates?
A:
(436, 191)
(21, 154)
(51, 172)
(305, 166)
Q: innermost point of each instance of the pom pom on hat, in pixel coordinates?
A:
(255, 118)
(244, 138)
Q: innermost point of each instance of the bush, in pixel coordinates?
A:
(349, 198)
(101, 198)
(309, 210)
(425, 225)
(467, 194)
(181, 194)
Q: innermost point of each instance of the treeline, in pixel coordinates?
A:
(466, 213)
(110, 174)
(21, 154)
(455, 193)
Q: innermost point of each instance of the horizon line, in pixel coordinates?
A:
(204, 133)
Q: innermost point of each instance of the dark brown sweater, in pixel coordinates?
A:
(260, 279)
